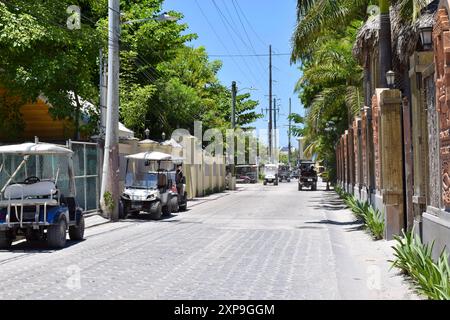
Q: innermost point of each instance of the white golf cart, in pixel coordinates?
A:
(271, 174)
(37, 198)
(149, 186)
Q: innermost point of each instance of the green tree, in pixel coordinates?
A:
(42, 57)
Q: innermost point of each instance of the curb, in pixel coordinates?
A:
(87, 226)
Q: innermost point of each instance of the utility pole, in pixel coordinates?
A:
(233, 107)
(270, 103)
(103, 80)
(109, 194)
(275, 127)
(233, 125)
(289, 135)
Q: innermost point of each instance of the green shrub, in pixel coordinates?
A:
(415, 259)
(372, 218)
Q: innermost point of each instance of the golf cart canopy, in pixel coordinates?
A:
(154, 156)
(35, 149)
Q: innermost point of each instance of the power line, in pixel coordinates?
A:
(218, 37)
(226, 23)
(248, 55)
(251, 27)
(248, 38)
(128, 47)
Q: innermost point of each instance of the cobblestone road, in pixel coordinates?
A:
(261, 242)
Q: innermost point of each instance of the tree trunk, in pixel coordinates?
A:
(385, 48)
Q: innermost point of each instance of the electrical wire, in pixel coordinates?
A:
(226, 23)
(219, 38)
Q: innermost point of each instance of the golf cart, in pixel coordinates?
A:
(284, 173)
(271, 174)
(37, 198)
(295, 173)
(308, 176)
(150, 186)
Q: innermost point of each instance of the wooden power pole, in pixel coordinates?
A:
(109, 194)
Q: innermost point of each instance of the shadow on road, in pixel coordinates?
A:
(331, 202)
(143, 217)
(37, 246)
(328, 201)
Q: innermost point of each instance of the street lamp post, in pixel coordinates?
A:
(109, 191)
(426, 37)
(390, 79)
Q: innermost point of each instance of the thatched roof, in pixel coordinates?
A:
(404, 35)
(367, 38)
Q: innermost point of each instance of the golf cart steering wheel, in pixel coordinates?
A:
(31, 180)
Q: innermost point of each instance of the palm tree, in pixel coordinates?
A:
(314, 17)
(385, 46)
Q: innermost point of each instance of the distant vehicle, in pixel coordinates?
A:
(284, 173)
(247, 173)
(295, 174)
(271, 174)
(308, 176)
(32, 203)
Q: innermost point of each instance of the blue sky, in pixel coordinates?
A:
(266, 22)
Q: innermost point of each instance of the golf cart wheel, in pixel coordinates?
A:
(265, 182)
(56, 234)
(167, 209)
(275, 183)
(175, 205)
(300, 187)
(77, 232)
(288, 180)
(314, 187)
(183, 205)
(5, 240)
(156, 210)
(123, 210)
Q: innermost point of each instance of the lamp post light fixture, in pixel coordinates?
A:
(147, 133)
(426, 37)
(160, 18)
(390, 79)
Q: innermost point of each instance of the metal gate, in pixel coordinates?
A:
(86, 168)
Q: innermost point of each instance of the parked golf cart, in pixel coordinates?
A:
(271, 174)
(32, 203)
(308, 176)
(284, 173)
(150, 186)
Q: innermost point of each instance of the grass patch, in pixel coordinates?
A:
(414, 258)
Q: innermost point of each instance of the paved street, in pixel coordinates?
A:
(260, 242)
